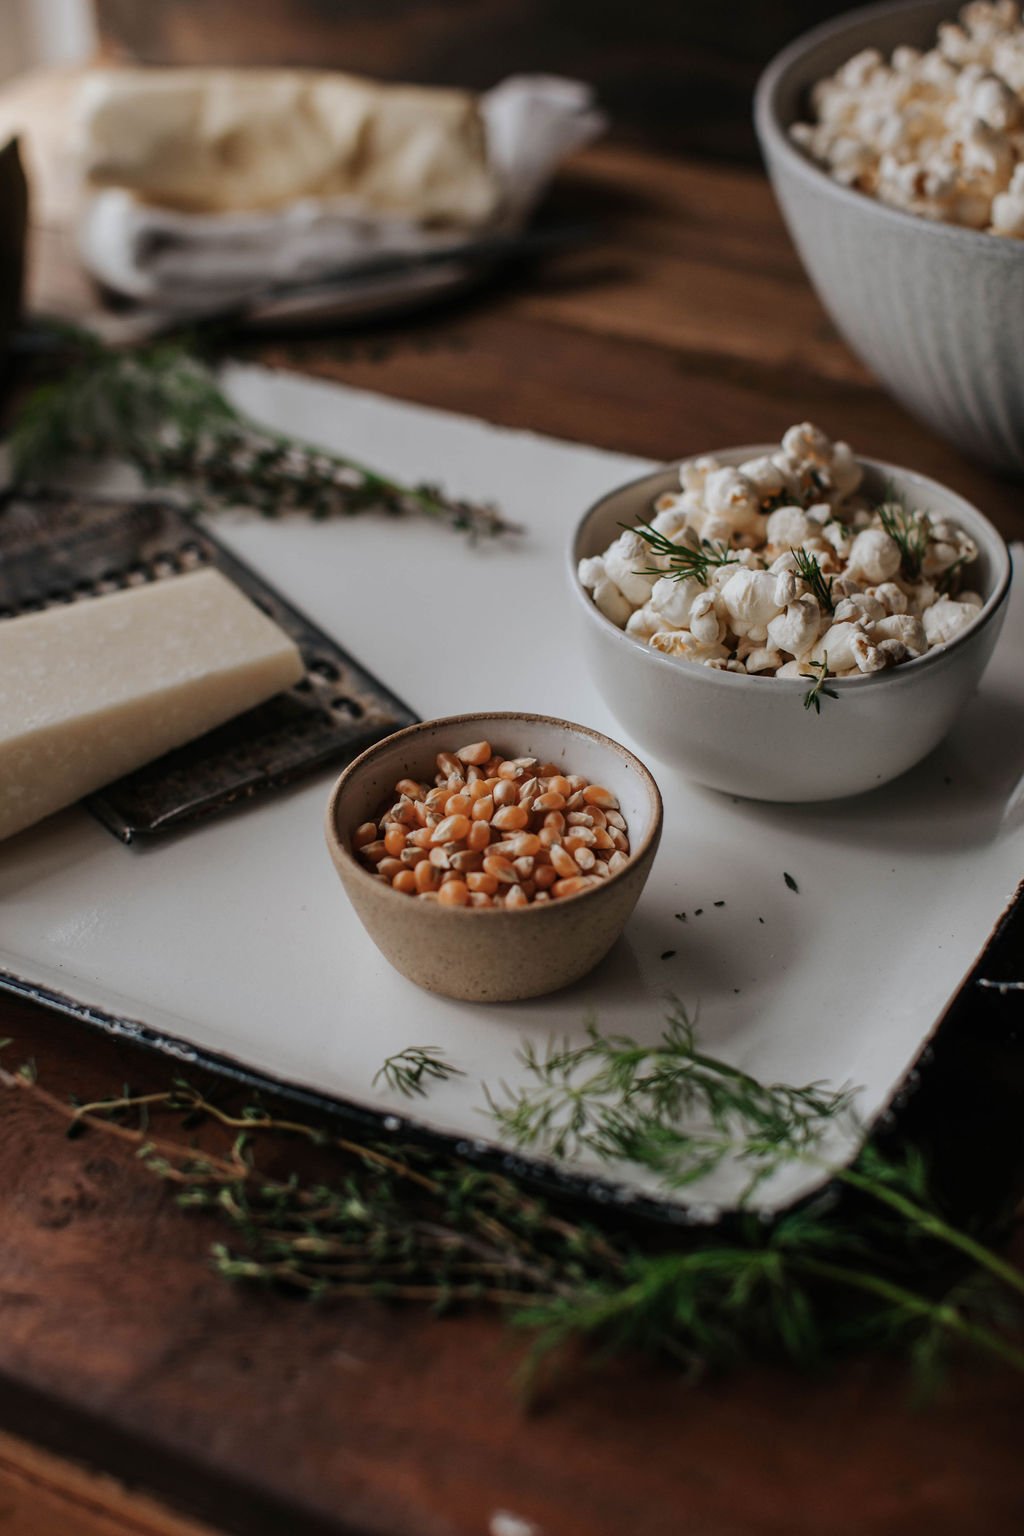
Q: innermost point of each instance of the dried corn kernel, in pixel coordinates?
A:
(495, 832)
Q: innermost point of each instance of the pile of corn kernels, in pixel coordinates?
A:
(495, 832)
(939, 134)
(757, 614)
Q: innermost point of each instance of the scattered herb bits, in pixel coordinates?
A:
(492, 831)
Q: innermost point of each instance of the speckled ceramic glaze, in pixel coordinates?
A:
(752, 736)
(492, 955)
(936, 311)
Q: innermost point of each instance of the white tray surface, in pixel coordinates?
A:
(236, 937)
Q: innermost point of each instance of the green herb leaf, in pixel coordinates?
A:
(911, 531)
(161, 409)
(410, 1071)
(811, 572)
(817, 691)
(694, 559)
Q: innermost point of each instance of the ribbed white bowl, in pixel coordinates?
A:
(936, 311)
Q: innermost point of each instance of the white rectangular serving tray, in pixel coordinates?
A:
(235, 940)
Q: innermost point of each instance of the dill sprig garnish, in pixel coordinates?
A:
(684, 560)
(870, 1264)
(668, 1107)
(812, 573)
(817, 691)
(160, 409)
(911, 531)
(410, 1071)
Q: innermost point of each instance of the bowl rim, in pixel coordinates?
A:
(718, 677)
(775, 139)
(647, 843)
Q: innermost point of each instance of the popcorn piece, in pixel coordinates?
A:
(749, 601)
(705, 624)
(694, 472)
(787, 528)
(787, 588)
(644, 622)
(874, 555)
(845, 473)
(944, 620)
(731, 496)
(679, 642)
(765, 476)
(623, 563)
(611, 602)
(807, 444)
(672, 520)
(672, 600)
(867, 656)
(906, 628)
(892, 598)
(837, 644)
(859, 606)
(764, 659)
(590, 571)
(796, 630)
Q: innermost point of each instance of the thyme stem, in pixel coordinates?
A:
(933, 1225)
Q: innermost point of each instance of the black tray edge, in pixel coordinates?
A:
(545, 1175)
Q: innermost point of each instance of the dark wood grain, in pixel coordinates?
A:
(691, 326)
(672, 75)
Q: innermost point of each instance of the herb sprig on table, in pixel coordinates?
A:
(669, 1107)
(410, 1071)
(160, 409)
(871, 1264)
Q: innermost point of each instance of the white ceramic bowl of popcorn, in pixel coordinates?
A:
(752, 735)
(934, 309)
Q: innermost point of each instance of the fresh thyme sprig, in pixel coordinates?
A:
(410, 1071)
(812, 573)
(910, 530)
(668, 1107)
(684, 560)
(160, 409)
(817, 691)
(877, 1268)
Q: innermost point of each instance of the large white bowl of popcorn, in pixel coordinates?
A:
(791, 622)
(894, 137)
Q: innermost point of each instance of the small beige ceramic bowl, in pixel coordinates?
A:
(752, 736)
(494, 955)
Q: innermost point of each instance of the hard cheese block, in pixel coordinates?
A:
(93, 690)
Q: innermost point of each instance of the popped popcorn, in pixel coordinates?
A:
(939, 134)
(784, 566)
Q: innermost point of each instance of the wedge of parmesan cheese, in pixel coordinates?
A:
(94, 689)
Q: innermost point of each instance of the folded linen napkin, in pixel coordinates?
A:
(184, 262)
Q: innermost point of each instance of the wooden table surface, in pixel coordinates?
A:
(141, 1394)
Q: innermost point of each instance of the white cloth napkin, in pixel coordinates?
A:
(185, 263)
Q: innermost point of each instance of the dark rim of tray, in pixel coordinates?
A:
(548, 1177)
